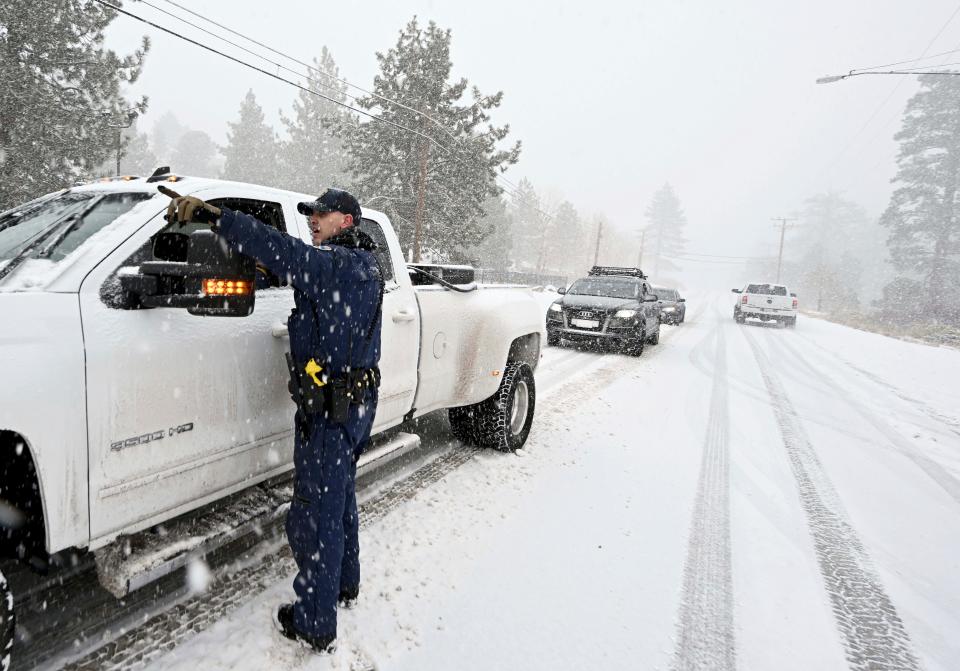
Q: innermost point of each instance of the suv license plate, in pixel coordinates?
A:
(585, 323)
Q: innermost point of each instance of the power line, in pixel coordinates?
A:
(511, 191)
(912, 60)
(291, 83)
(852, 140)
(295, 60)
(309, 67)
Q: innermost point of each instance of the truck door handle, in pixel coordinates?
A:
(279, 331)
(404, 315)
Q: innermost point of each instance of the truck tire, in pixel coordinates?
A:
(738, 317)
(503, 421)
(791, 322)
(7, 622)
(553, 339)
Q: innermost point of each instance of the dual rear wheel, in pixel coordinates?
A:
(503, 421)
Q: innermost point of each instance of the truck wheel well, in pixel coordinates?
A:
(23, 532)
(526, 349)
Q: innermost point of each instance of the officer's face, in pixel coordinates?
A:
(325, 225)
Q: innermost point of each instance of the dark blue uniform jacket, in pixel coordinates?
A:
(336, 288)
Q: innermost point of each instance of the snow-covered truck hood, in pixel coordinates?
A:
(66, 275)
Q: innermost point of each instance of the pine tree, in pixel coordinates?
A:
(922, 216)
(313, 158)
(561, 239)
(432, 181)
(137, 157)
(496, 248)
(251, 151)
(61, 94)
(665, 230)
(830, 234)
(529, 226)
(166, 134)
(196, 155)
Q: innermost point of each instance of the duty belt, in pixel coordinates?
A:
(316, 392)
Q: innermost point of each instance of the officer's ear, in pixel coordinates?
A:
(347, 221)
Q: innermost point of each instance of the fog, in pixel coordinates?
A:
(611, 100)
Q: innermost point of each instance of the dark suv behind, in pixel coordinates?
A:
(673, 307)
(611, 307)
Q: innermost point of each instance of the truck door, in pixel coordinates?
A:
(182, 409)
(400, 337)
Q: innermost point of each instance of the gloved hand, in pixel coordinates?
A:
(185, 209)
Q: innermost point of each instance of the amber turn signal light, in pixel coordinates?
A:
(226, 287)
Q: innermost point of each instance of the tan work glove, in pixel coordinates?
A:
(185, 209)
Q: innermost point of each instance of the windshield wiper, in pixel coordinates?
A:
(75, 220)
(10, 217)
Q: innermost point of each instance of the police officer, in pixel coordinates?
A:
(334, 351)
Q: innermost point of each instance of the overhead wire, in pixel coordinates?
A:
(373, 94)
(883, 103)
(310, 68)
(297, 85)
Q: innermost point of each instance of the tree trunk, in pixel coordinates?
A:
(421, 200)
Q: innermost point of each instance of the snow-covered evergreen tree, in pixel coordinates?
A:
(922, 216)
(251, 151)
(496, 248)
(312, 157)
(61, 93)
(196, 155)
(529, 226)
(434, 182)
(665, 230)
(137, 157)
(166, 134)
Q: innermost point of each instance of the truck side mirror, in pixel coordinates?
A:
(681, 300)
(171, 246)
(793, 294)
(736, 291)
(215, 279)
(562, 291)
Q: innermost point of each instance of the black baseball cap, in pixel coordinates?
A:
(332, 200)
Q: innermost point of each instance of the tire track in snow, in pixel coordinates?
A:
(705, 629)
(872, 632)
(946, 480)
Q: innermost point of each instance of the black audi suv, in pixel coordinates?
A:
(614, 308)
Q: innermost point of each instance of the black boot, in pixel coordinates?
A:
(285, 620)
(348, 597)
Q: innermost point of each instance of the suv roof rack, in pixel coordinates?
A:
(614, 270)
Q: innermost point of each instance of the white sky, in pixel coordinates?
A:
(612, 99)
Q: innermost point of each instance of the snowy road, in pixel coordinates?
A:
(739, 497)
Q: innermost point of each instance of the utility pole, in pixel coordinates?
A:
(120, 126)
(421, 201)
(596, 253)
(643, 235)
(783, 231)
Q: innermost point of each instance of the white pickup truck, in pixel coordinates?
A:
(766, 302)
(119, 411)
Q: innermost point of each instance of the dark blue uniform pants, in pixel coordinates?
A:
(323, 525)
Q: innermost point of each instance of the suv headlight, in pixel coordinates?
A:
(669, 309)
(625, 314)
(555, 307)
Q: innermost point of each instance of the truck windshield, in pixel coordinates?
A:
(20, 227)
(612, 287)
(766, 289)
